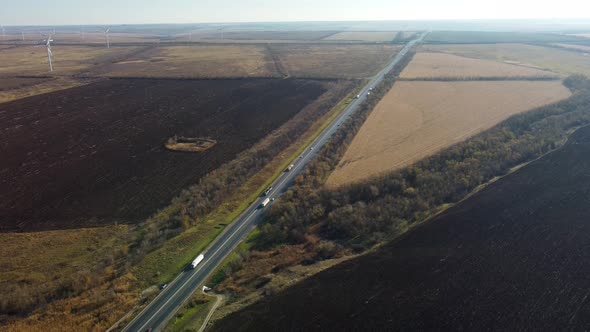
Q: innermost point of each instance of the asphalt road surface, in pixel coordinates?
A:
(165, 305)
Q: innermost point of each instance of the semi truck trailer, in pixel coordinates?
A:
(264, 203)
(197, 261)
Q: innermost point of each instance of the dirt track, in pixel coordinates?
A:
(95, 154)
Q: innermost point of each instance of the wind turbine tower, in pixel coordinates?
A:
(49, 54)
(106, 34)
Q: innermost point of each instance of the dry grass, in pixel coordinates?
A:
(196, 62)
(184, 144)
(43, 256)
(575, 47)
(44, 86)
(39, 262)
(546, 58)
(334, 61)
(432, 65)
(94, 310)
(417, 119)
(260, 269)
(368, 36)
(67, 60)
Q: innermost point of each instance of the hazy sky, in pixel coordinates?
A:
(41, 12)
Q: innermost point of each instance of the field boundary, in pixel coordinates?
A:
(443, 208)
(480, 78)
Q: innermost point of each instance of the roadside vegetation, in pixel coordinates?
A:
(482, 263)
(319, 223)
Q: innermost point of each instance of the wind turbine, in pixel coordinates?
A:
(49, 54)
(23, 35)
(106, 33)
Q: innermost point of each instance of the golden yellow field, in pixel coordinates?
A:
(375, 36)
(196, 61)
(417, 119)
(432, 65)
(547, 58)
(334, 61)
(576, 47)
(67, 60)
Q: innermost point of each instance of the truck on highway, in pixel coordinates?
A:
(197, 261)
(267, 191)
(289, 168)
(264, 203)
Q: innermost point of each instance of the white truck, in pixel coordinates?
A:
(289, 168)
(197, 261)
(264, 203)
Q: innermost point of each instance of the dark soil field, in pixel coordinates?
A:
(515, 256)
(96, 155)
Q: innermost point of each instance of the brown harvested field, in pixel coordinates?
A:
(334, 61)
(67, 60)
(261, 35)
(584, 48)
(364, 36)
(195, 62)
(440, 65)
(417, 119)
(99, 38)
(95, 154)
(547, 58)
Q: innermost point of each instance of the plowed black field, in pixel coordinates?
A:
(514, 257)
(95, 154)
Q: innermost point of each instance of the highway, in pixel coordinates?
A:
(166, 304)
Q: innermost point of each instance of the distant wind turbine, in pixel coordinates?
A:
(106, 34)
(23, 35)
(49, 54)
